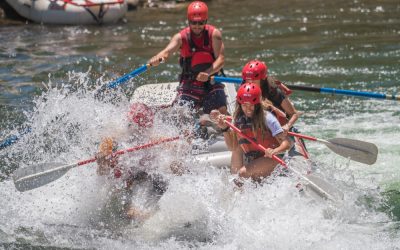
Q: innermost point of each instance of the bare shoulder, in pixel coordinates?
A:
(217, 34)
(177, 37)
(176, 41)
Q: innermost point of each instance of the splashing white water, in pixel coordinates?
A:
(201, 209)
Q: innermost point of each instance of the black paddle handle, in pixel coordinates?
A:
(305, 88)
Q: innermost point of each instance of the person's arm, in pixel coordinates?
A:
(230, 140)
(219, 52)
(219, 119)
(236, 160)
(171, 48)
(284, 144)
(278, 133)
(291, 111)
(218, 47)
(105, 161)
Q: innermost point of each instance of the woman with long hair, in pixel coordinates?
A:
(258, 124)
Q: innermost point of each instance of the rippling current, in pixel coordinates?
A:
(48, 75)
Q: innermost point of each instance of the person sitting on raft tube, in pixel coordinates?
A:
(140, 118)
(201, 56)
(257, 123)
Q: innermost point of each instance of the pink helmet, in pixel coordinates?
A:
(254, 70)
(141, 114)
(249, 93)
(197, 11)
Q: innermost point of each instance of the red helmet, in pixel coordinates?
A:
(250, 93)
(254, 70)
(197, 11)
(201, 61)
(141, 114)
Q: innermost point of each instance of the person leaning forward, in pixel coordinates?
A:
(140, 122)
(201, 56)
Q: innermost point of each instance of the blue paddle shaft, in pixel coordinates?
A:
(13, 138)
(7, 142)
(321, 90)
(346, 92)
(227, 79)
(353, 93)
(127, 77)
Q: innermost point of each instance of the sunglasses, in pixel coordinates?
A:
(198, 22)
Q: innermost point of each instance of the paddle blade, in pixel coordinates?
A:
(356, 150)
(314, 185)
(323, 188)
(38, 175)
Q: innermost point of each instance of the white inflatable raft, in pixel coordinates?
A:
(162, 95)
(73, 12)
(214, 151)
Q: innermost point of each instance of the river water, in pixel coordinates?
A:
(47, 77)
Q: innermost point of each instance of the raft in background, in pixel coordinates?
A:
(73, 12)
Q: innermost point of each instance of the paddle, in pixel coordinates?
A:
(41, 174)
(320, 90)
(361, 151)
(14, 138)
(346, 92)
(125, 78)
(318, 184)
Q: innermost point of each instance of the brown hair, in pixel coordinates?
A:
(258, 119)
(267, 104)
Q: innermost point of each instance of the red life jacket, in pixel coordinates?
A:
(245, 125)
(190, 45)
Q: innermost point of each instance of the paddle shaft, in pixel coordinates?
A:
(41, 174)
(130, 75)
(123, 151)
(346, 92)
(274, 157)
(307, 137)
(237, 130)
(9, 141)
(13, 138)
(320, 90)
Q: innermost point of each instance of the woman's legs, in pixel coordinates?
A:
(258, 168)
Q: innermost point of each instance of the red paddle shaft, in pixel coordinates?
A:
(274, 157)
(123, 151)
